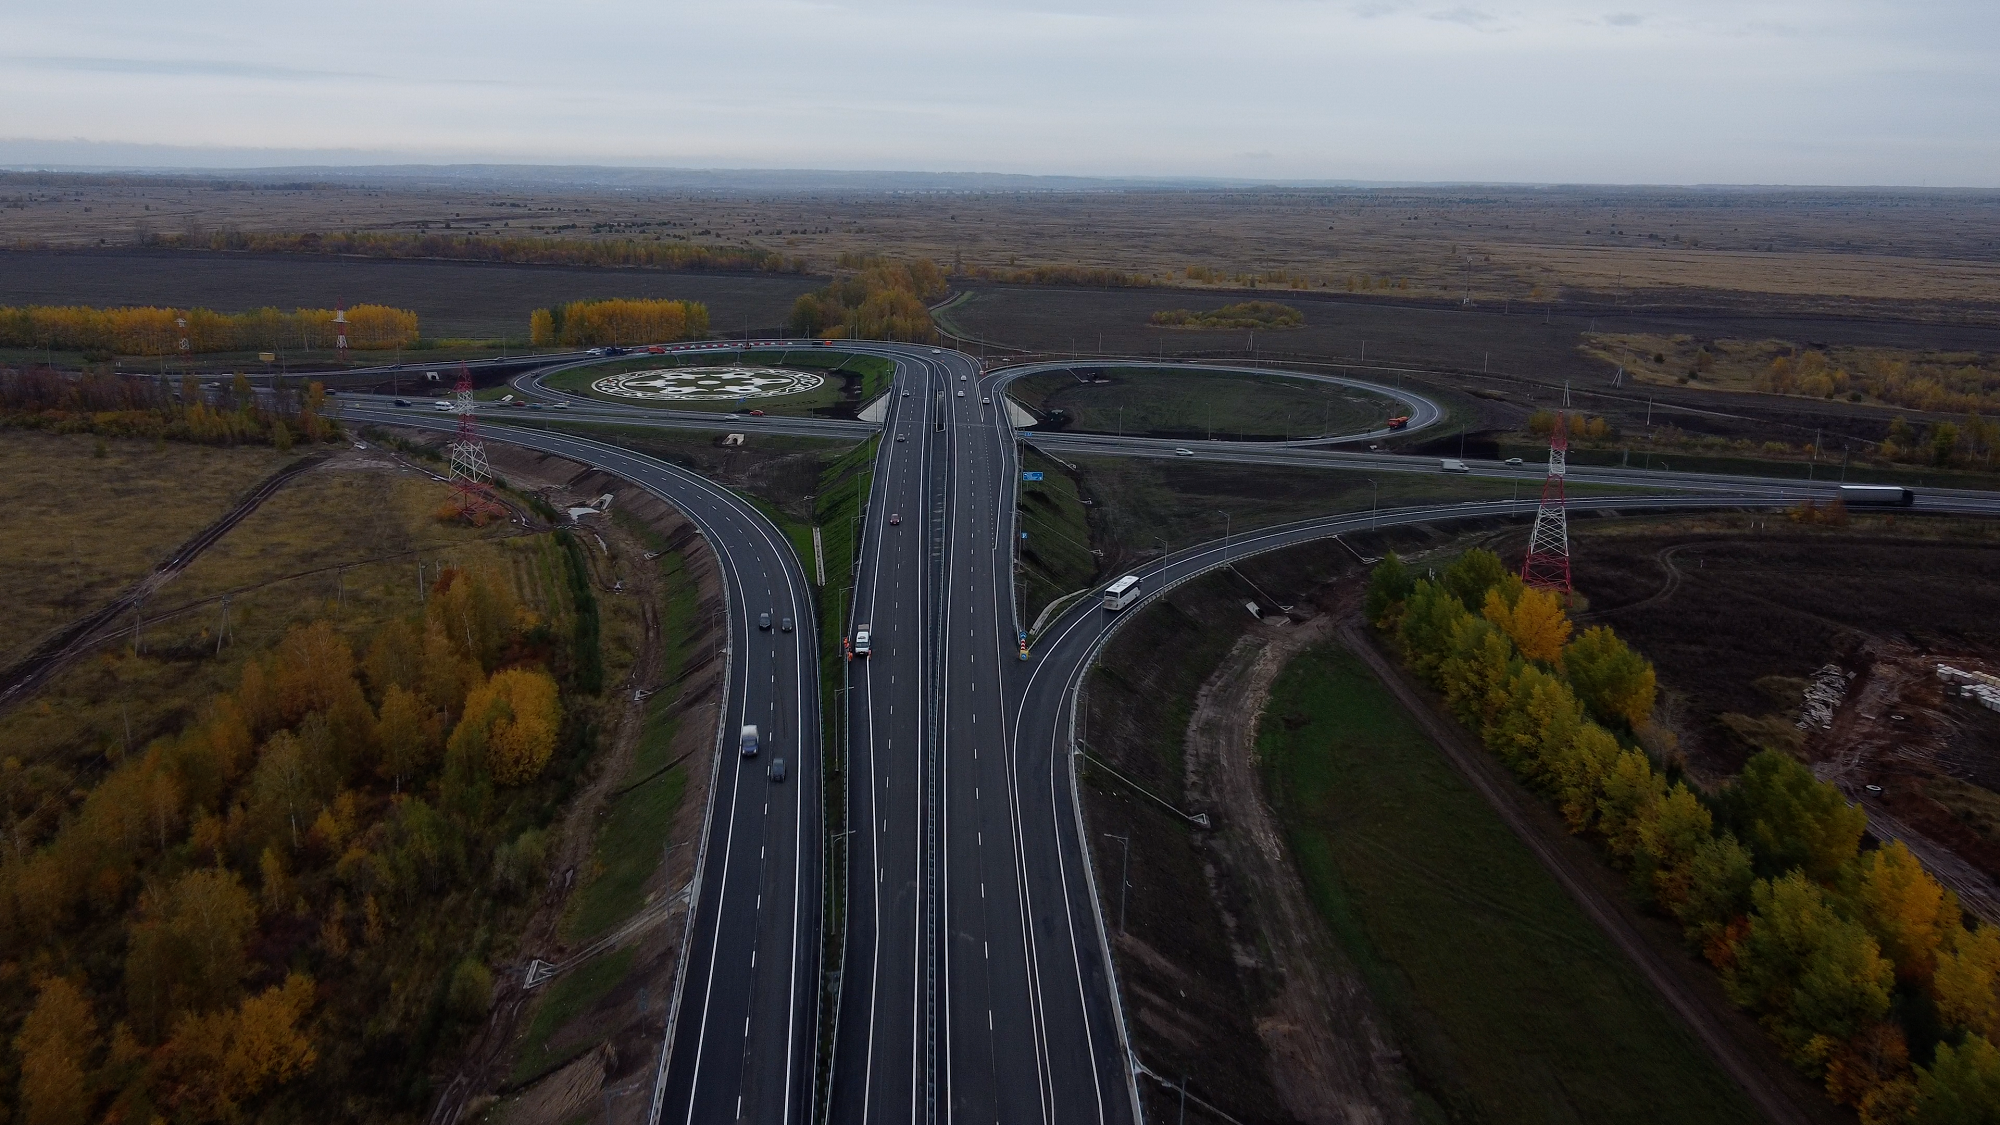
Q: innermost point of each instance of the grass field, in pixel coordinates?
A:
(80, 520)
(1056, 556)
(569, 997)
(627, 850)
(1189, 402)
(1800, 245)
(317, 548)
(1508, 1004)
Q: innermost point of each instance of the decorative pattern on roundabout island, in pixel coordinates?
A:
(707, 384)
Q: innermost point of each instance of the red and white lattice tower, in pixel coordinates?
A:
(1547, 564)
(340, 334)
(470, 473)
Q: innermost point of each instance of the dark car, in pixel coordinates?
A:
(402, 402)
(785, 626)
(764, 622)
(895, 518)
(777, 769)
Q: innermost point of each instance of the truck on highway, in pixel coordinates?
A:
(1453, 465)
(749, 741)
(1121, 593)
(1399, 421)
(861, 643)
(1877, 495)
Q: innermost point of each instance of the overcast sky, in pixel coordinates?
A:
(1624, 91)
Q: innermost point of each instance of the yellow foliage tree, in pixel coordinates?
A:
(216, 1062)
(54, 1042)
(518, 711)
(1536, 622)
(1909, 912)
(1967, 981)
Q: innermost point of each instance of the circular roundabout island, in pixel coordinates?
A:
(667, 386)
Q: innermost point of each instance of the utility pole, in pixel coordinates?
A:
(1374, 500)
(1124, 874)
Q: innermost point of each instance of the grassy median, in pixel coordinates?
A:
(1508, 1003)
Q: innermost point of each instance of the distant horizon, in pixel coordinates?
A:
(199, 161)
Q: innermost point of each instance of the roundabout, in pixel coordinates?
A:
(669, 385)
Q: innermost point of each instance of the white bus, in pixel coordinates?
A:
(1121, 593)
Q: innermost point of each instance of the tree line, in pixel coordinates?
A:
(1857, 961)
(1243, 314)
(617, 321)
(287, 906)
(1934, 384)
(157, 331)
(109, 405)
(876, 300)
(515, 249)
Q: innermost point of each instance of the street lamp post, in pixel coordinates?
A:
(1225, 532)
(1124, 873)
(1374, 499)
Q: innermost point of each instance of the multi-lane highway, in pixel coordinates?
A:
(975, 981)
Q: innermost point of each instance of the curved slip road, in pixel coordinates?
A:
(741, 1042)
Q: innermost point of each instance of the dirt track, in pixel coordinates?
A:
(1737, 1045)
(1331, 1061)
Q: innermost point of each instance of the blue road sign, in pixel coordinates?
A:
(1031, 476)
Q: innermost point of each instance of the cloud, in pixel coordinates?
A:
(1470, 17)
(1624, 19)
(175, 68)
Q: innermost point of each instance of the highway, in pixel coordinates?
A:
(741, 1041)
(975, 979)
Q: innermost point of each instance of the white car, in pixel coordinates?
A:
(937, 351)
(961, 394)
(983, 401)
(1183, 452)
(440, 405)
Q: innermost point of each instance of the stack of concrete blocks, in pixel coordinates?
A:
(1981, 687)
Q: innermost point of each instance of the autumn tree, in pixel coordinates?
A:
(1967, 981)
(407, 735)
(1791, 819)
(1389, 583)
(314, 668)
(1534, 620)
(1961, 1086)
(1815, 977)
(55, 1043)
(1908, 911)
(185, 951)
(1471, 575)
(518, 712)
(217, 1061)
(1616, 683)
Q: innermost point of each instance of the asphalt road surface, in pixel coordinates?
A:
(975, 981)
(742, 1037)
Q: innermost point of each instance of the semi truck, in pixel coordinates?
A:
(1877, 495)
(1399, 421)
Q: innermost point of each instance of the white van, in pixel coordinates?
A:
(1450, 465)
